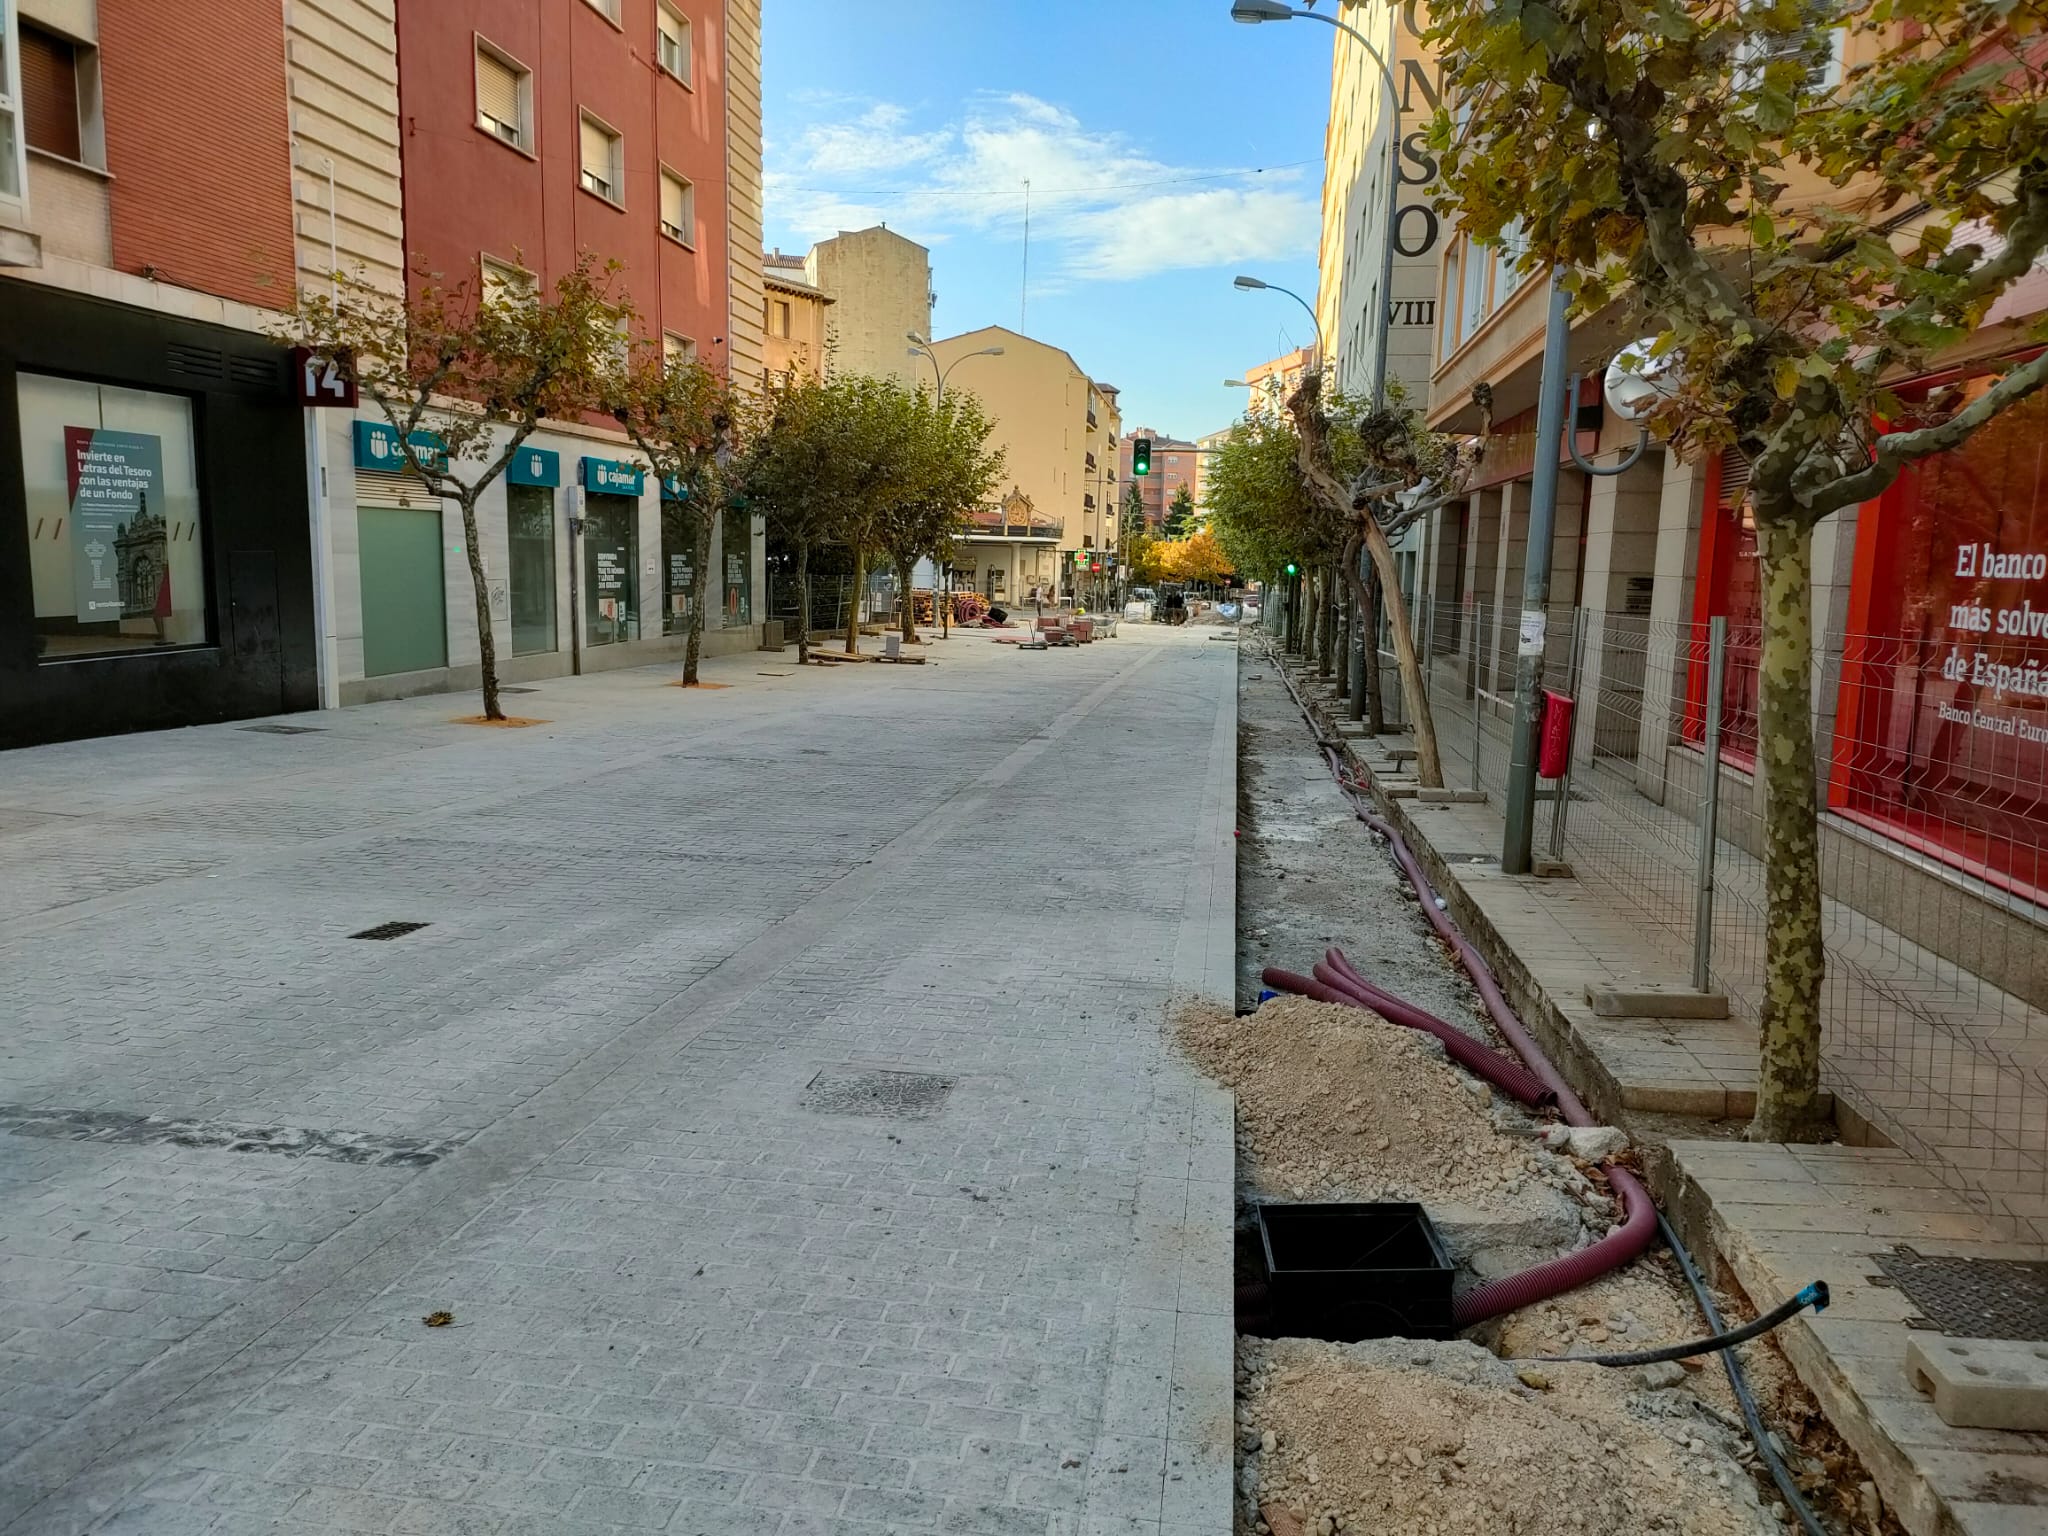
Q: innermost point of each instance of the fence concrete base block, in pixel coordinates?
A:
(1399, 791)
(772, 638)
(1353, 728)
(1982, 1383)
(1551, 869)
(1656, 1003)
(1451, 796)
(1401, 754)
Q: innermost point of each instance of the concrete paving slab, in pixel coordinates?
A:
(1781, 1216)
(577, 1110)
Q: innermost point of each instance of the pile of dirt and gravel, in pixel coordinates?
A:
(1335, 1103)
(1406, 1438)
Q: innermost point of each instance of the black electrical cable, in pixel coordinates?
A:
(1815, 1295)
(1739, 1383)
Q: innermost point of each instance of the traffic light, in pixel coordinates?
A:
(1141, 456)
(1291, 568)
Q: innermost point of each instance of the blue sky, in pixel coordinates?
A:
(1141, 125)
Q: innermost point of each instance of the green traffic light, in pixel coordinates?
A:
(1290, 568)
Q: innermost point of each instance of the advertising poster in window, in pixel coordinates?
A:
(1943, 721)
(119, 556)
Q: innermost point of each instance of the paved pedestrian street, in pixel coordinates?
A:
(771, 1129)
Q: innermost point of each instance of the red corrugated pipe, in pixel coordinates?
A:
(1510, 1077)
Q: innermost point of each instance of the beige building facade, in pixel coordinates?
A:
(797, 319)
(1350, 264)
(881, 286)
(1058, 429)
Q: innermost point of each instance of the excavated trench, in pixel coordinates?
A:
(1336, 1106)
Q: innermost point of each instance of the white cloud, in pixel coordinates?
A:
(1101, 207)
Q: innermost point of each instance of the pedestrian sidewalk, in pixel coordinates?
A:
(1772, 1217)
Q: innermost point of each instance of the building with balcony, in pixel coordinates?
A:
(154, 538)
(1061, 466)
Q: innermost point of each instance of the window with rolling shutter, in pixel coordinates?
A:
(672, 40)
(500, 96)
(13, 170)
(601, 160)
(678, 208)
(1734, 477)
(49, 92)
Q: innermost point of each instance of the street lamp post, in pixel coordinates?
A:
(921, 346)
(1251, 13)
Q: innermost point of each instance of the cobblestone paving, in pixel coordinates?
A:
(776, 1097)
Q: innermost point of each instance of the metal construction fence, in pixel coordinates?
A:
(1933, 793)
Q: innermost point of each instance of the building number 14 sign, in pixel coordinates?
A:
(321, 380)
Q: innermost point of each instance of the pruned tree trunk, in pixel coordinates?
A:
(1788, 1044)
(803, 600)
(860, 581)
(486, 642)
(1326, 624)
(1429, 762)
(904, 570)
(1347, 637)
(1366, 702)
(700, 591)
(1312, 430)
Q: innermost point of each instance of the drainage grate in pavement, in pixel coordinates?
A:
(888, 1095)
(508, 688)
(1972, 1298)
(270, 728)
(112, 1128)
(389, 931)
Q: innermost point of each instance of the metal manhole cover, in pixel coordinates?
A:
(389, 931)
(1972, 1298)
(269, 728)
(889, 1095)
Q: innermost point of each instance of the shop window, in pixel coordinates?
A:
(672, 40)
(678, 565)
(504, 97)
(117, 537)
(1942, 727)
(603, 161)
(738, 550)
(530, 526)
(611, 563)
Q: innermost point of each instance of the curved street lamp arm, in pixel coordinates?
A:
(1571, 441)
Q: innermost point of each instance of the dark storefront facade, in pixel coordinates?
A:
(155, 556)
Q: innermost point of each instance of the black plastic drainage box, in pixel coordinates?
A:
(1351, 1272)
